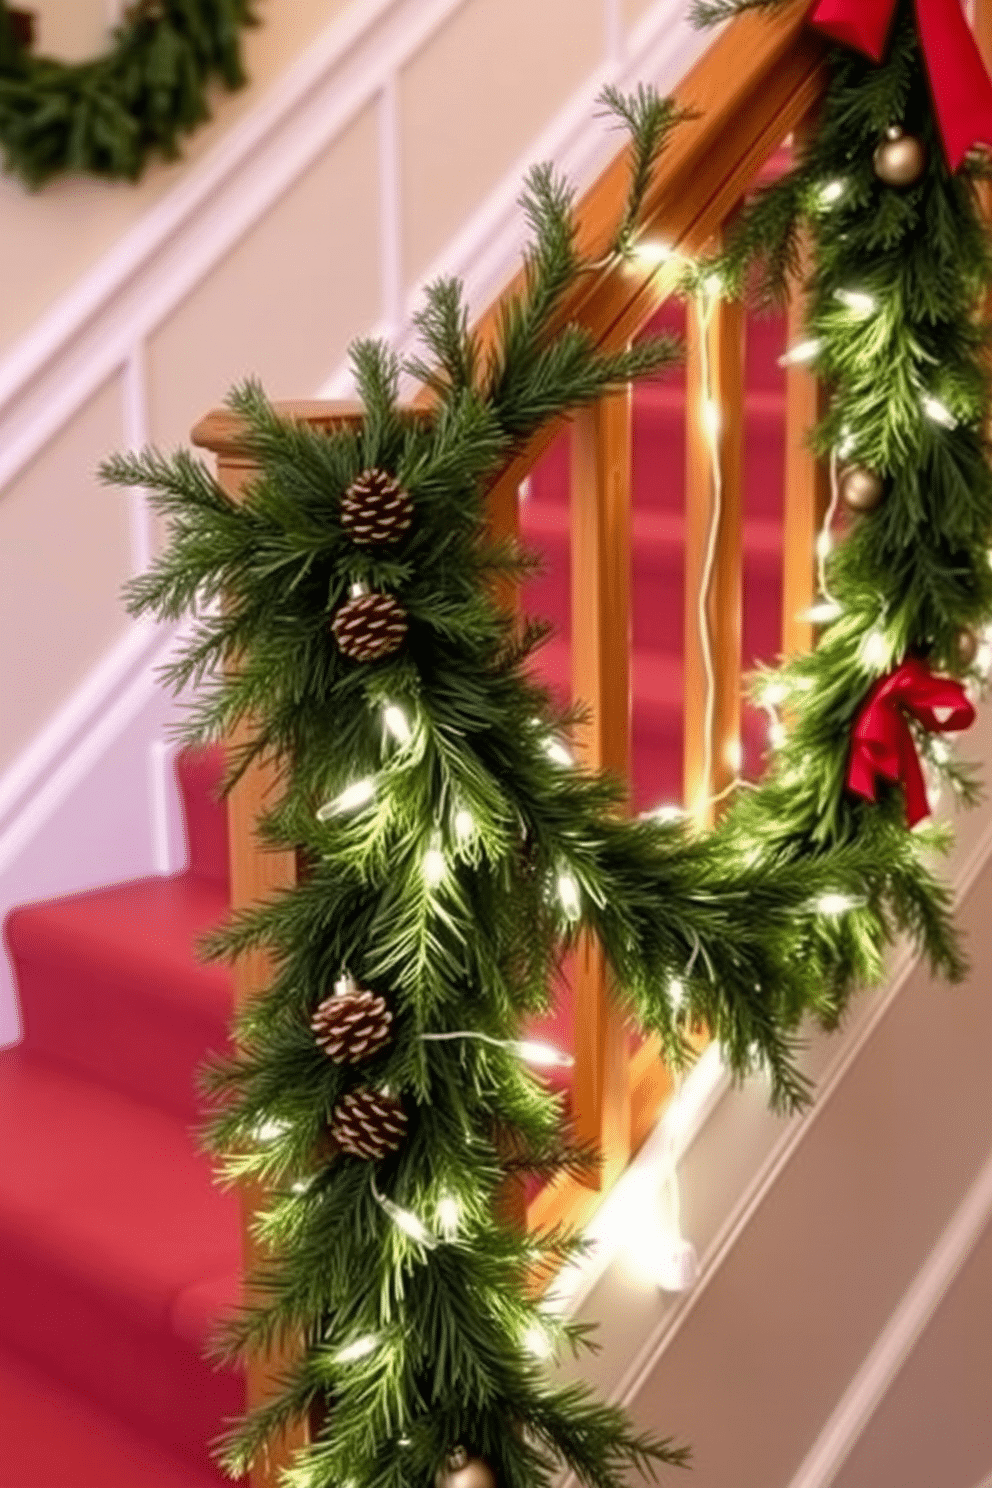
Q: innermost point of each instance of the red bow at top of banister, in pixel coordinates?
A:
(961, 88)
(882, 743)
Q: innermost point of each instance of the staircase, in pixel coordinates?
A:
(117, 1252)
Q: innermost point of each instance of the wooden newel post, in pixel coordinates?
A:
(601, 634)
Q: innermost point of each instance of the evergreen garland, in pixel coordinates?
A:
(108, 116)
(453, 854)
(899, 278)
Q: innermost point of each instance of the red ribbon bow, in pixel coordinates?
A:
(882, 743)
(962, 91)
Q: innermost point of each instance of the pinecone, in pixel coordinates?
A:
(369, 1123)
(375, 508)
(352, 1025)
(369, 626)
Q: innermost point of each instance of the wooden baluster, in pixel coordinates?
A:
(601, 630)
(724, 350)
(807, 478)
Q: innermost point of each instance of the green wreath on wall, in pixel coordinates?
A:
(107, 116)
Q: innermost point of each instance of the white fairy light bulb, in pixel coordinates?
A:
(360, 1349)
(435, 864)
(941, 750)
(847, 444)
(822, 612)
(666, 813)
(774, 693)
(733, 754)
(802, 353)
(397, 723)
(857, 301)
(776, 734)
(938, 412)
(556, 751)
(407, 1221)
(710, 412)
(713, 285)
(836, 904)
(824, 545)
(270, 1131)
(542, 1056)
(676, 993)
(568, 895)
(651, 251)
(537, 1342)
(832, 192)
(449, 1215)
(875, 650)
(464, 825)
(352, 798)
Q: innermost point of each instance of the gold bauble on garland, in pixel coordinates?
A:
(463, 1471)
(900, 159)
(966, 645)
(861, 490)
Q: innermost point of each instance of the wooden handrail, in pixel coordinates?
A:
(752, 88)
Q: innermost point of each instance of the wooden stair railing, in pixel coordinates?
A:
(759, 82)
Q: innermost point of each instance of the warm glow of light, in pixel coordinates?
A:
(824, 545)
(652, 251)
(802, 353)
(360, 1349)
(464, 826)
(397, 723)
(449, 1215)
(822, 612)
(836, 904)
(434, 867)
(556, 751)
(733, 754)
(568, 895)
(875, 650)
(676, 993)
(776, 735)
(537, 1342)
(938, 412)
(667, 813)
(542, 1056)
(857, 300)
(710, 412)
(832, 192)
(774, 693)
(351, 799)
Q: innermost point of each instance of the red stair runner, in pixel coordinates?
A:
(117, 1253)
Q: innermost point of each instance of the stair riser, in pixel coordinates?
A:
(145, 1374)
(119, 1034)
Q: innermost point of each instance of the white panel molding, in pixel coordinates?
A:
(898, 1338)
(99, 327)
(80, 733)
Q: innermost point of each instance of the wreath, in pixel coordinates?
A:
(107, 116)
(378, 1088)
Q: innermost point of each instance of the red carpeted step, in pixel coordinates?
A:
(53, 1437)
(199, 773)
(111, 986)
(110, 1229)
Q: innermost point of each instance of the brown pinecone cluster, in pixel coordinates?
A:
(369, 1123)
(368, 627)
(353, 1024)
(375, 509)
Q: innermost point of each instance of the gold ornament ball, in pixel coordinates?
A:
(862, 490)
(900, 159)
(463, 1471)
(966, 647)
